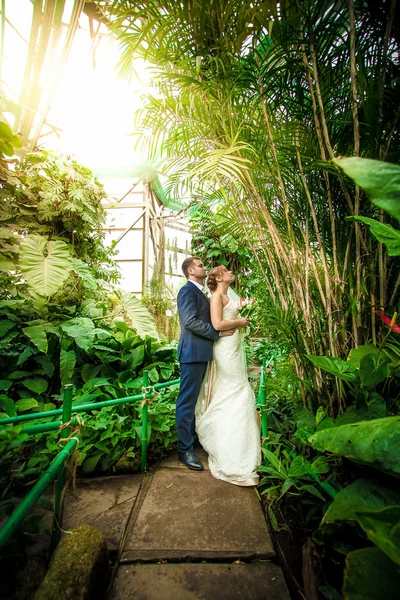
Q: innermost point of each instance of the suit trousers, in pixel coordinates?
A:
(192, 375)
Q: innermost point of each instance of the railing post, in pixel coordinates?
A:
(60, 481)
(145, 424)
(15, 519)
(262, 404)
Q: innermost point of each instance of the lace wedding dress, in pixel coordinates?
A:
(226, 420)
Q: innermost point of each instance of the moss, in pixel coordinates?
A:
(79, 567)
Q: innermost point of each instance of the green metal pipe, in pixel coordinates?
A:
(47, 427)
(42, 427)
(85, 407)
(145, 427)
(261, 405)
(12, 523)
(61, 479)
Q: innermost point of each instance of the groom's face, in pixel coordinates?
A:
(198, 271)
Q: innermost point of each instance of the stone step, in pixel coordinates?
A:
(104, 503)
(189, 515)
(200, 582)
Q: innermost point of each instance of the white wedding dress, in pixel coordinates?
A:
(226, 420)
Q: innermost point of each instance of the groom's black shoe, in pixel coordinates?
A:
(190, 460)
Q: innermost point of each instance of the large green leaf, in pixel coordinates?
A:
(137, 356)
(362, 494)
(5, 326)
(46, 363)
(142, 321)
(8, 405)
(7, 265)
(383, 233)
(81, 330)
(373, 370)
(375, 442)
(25, 404)
(67, 365)
(380, 180)
(356, 354)
(45, 265)
(84, 272)
(383, 529)
(335, 366)
(37, 335)
(370, 575)
(36, 384)
(89, 371)
(6, 135)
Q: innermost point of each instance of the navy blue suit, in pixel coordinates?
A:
(195, 350)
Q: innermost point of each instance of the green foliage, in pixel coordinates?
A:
(335, 366)
(370, 442)
(383, 233)
(216, 244)
(137, 314)
(8, 141)
(44, 265)
(380, 180)
(61, 321)
(51, 235)
(370, 574)
(362, 495)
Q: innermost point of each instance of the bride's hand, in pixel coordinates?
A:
(227, 333)
(244, 322)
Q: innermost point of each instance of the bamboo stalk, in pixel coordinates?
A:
(356, 130)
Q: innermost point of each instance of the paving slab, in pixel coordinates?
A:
(103, 502)
(190, 515)
(200, 582)
(172, 462)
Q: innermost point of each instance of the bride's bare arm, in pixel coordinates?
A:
(217, 307)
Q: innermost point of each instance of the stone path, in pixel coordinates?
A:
(181, 535)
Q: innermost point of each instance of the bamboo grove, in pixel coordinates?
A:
(252, 103)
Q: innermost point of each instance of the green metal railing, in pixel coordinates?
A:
(11, 525)
(88, 407)
(57, 471)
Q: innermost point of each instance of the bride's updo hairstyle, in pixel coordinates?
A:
(212, 282)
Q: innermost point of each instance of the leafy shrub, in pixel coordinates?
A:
(63, 321)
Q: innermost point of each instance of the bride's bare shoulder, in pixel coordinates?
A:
(216, 298)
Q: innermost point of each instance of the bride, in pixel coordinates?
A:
(226, 421)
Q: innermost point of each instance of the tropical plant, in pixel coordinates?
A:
(62, 320)
(253, 101)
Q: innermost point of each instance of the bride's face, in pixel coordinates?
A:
(227, 276)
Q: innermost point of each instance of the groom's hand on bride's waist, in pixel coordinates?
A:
(226, 333)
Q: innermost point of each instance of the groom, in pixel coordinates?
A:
(195, 350)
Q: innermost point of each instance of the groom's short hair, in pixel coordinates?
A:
(187, 263)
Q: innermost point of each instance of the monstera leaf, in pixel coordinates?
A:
(374, 443)
(45, 265)
(142, 321)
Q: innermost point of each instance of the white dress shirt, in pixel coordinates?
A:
(202, 288)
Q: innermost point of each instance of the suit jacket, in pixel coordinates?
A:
(197, 333)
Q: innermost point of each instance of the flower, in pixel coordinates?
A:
(391, 322)
(245, 307)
